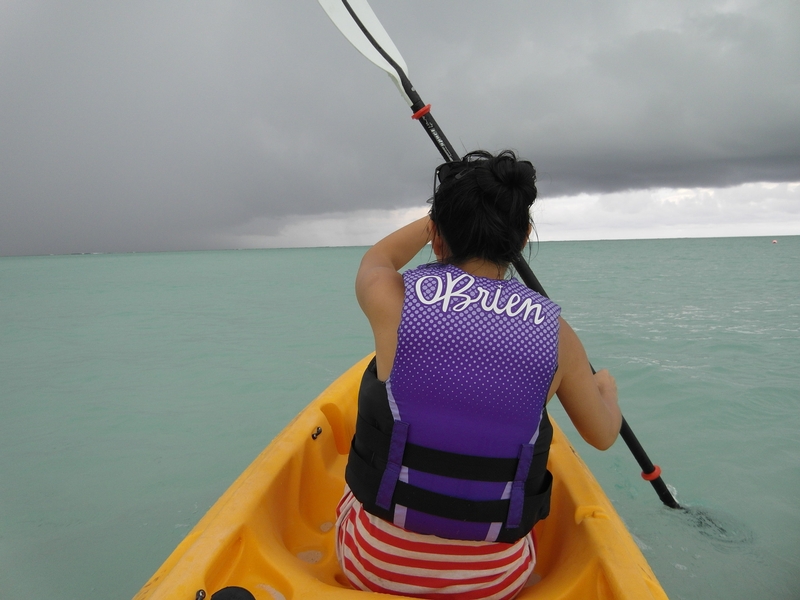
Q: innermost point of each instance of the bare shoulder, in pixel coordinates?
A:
(380, 292)
(571, 353)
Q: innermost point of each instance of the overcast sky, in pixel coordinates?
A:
(137, 126)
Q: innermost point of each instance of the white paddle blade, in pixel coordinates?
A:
(341, 17)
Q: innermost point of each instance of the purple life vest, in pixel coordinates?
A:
(455, 442)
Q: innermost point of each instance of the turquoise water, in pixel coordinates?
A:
(134, 388)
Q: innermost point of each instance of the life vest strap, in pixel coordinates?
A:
(360, 473)
(517, 500)
(440, 462)
(397, 446)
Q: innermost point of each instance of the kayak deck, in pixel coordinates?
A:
(272, 531)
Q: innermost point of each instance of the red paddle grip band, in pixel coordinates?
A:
(655, 474)
(422, 112)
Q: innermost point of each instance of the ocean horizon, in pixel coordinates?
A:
(702, 236)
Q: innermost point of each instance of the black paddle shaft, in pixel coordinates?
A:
(421, 112)
(647, 466)
(528, 277)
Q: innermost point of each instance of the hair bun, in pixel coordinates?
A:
(512, 173)
(504, 173)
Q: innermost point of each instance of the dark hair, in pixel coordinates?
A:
(482, 206)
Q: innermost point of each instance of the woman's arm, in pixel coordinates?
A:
(589, 400)
(379, 286)
(396, 249)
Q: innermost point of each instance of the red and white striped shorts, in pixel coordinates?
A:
(377, 556)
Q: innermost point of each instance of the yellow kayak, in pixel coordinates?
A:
(272, 530)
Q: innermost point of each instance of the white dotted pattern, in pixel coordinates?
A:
(475, 359)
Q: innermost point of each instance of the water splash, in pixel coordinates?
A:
(719, 526)
(714, 524)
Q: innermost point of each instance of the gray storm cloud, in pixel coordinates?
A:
(159, 125)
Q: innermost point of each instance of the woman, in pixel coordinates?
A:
(447, 470)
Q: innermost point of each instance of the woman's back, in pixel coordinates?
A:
(474, 361)
(451, 439)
